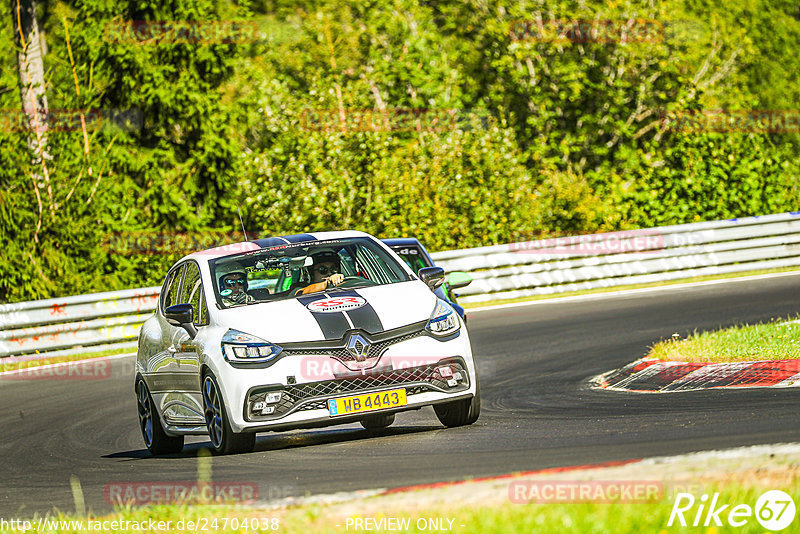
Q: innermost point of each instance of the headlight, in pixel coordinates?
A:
(240, 347)
(444, 320)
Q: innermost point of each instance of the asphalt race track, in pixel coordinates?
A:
(537, 411)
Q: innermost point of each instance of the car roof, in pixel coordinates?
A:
(402, 241)
(257, 244)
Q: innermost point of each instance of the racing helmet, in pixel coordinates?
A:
(227, 269)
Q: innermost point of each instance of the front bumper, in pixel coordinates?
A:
(314, 396)
(303, 399)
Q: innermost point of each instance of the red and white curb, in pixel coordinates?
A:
(654, 467)
(649, 375)
(547, 471)
(348, 496)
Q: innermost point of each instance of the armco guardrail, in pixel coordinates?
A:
(81, 321)
(499, 272)
(630, 257)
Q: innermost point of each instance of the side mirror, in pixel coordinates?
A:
(432, 276)
(180, 315)
(458, 279)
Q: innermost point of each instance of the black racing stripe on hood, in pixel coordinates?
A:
(333, 325)
(365, 317)
(299, 238)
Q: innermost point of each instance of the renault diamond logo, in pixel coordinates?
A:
(358, 347)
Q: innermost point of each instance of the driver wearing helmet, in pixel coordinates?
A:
(325, 272)
(233, 284)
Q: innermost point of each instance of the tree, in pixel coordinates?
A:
(33, 97)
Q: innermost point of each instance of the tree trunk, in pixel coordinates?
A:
(32, 89)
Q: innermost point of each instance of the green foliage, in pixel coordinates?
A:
(714, 176)
(469, 134)
(169, 168)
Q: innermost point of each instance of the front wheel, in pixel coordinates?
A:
(223, 439)
(155, 439)
(460, 412)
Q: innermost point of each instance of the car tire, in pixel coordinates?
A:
(460, 412)
(155, 439)
(375, 422)
(223, 439)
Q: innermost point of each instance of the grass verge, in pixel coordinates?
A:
(776, 340)
(444, 512)
(745, 274)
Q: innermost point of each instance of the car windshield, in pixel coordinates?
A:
(288, 271)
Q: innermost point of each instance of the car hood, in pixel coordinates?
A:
(328, 315)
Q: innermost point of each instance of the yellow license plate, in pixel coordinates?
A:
(367, 402)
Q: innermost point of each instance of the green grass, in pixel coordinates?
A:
(586, 518)
(629, 286)
(776, 340)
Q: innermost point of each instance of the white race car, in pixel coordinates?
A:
(294, 332)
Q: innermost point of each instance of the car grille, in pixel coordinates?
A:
(314, 395)
(343, 355)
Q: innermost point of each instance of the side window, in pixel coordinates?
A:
(193, 290)
(169, 293)
(203, 317)
(347, 263)
(374, 266)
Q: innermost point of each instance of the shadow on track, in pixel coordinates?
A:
(295, 439)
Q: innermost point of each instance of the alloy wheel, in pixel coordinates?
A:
(145, 413)
(213, 411)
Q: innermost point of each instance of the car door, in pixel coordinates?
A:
(184, 406)
(158, 367)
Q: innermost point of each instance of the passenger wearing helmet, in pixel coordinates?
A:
(325, 272)
(232, 279)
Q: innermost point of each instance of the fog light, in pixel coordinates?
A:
(272, 398)
(258, 406)
(268, 410)
(445, 371)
